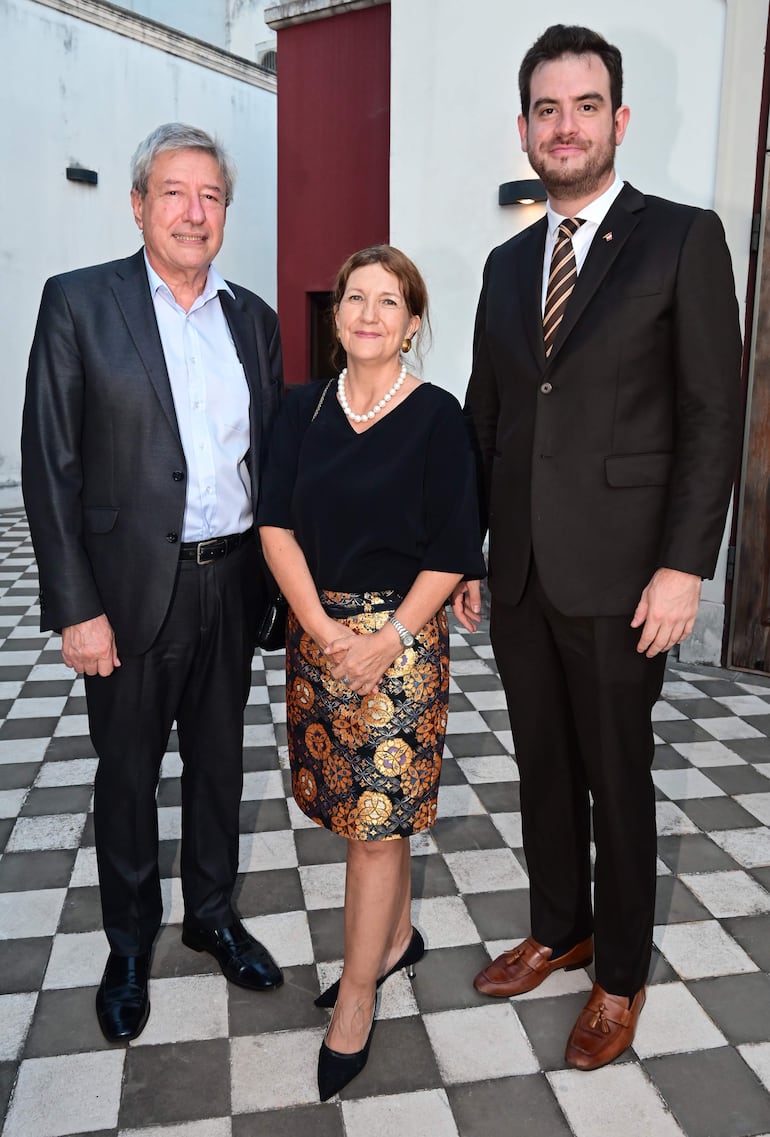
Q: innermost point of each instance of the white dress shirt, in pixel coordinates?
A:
(593, 214)
(211, 398)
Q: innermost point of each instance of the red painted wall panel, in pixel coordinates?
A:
(333, 159)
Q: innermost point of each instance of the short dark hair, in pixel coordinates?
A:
(571, 39)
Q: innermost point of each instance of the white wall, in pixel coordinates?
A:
(83, 95)
(235, 25)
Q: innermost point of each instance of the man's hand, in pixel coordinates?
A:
(667, 609)
(466, 604)
(90, 647)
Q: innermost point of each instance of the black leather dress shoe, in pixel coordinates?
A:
(242, 958)
(122, 1002)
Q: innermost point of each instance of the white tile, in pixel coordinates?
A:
(22, 750)
(505, 738)
(260, 784)
(172, 765)
(477, 1043)
(727, 728)
(37, 708)
(673, 1022)
(283, 757)
(684, 784)
(458, 801)
(259, 734)
(186, 1010)
(173, 900)
(423, 843)
(664, 712)
(16, 1013)
(278, 712)
(754, 689)
(594, 1103)
(258, 697)
(211, 1127)
(728, 894)
(559, 983)
(323, 885)
(470, 667)
(704, 754)
(85, 873)
(487, 700)
(274, 677)
(763, 768)
(423, 1114)
(681, 690)
(297, 818)
(169, 822)
(70, 1094)
(749, 847)
(11, 690)
(466, 722)
(75, 772)
(273, 849)
(484, 651)
(11, 802)
(671, 821)
(20, 658)
(444, 921)
(486, 870)
(396, 997)
(747, 705)
(77, 960)
(489, 768)
(286, 935)
(71, 726)
(758, 805)
(51, 671)
(661, 869)
(757, 1055)
(700, 949)
(508, 826)
(275, 1071)
(58, 831)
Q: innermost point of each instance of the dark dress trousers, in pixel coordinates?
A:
(601, 464)
(104, 480)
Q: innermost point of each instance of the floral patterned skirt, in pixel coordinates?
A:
(367, 767)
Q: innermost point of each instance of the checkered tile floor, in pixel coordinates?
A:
(216, 1061)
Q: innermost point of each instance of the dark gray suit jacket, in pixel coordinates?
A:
(103, 470)
(615, 456)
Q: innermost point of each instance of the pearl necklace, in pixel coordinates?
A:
(343, 399)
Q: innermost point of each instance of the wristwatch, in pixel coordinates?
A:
(406, 637)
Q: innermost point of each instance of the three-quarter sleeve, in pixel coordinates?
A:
(450, 497)
(280, 469)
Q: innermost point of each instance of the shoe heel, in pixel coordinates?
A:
(582, 963)
(410, 972)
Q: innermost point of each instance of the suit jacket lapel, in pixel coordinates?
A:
(247, 336)
(620, 222)
(529, 265)
(132, 293)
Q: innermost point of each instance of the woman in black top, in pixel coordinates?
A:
(368, 520)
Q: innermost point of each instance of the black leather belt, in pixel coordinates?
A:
(205, 552)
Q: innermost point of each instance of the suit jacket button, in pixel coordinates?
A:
(172, 538)
(178, 476)
(546, 388)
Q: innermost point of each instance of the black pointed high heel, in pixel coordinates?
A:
(336, 1070)
(413, 954)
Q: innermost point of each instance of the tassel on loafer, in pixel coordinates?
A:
(413, 954)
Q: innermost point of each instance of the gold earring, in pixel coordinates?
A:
(406, 346)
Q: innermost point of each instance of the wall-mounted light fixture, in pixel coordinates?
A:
(527, 191)
(79, 174)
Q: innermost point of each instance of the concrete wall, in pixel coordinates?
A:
(84, 95)
(235, 25)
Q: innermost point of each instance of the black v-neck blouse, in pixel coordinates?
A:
(372, 510)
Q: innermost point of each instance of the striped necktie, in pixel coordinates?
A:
(561, 280)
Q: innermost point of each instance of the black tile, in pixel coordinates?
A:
(500, 915)
(714, 813)
(20, 872)
(48, 688)
(169, 792)
(288, 1008)
(431, 877)
(460, 702)
(82, 911)
(762, 875)
(693, 853)
(65, 749)
(185, 1081)
(18, 775)
(675, 904)
(451, 773)
(548, 1022)
(475, 831)
(739, 779)
(87, 839)
(65, 1023)
(660, 970)
(695, 1088)
(318, 846)
(7, 1079)
(169, 858)
(703, 708)
(717, 688)
(15, 673)
(6, 826)
(499, 797)
(681, 730)
(474, 745)
(738, 1004)
(444, 978)
(5, 707)
(506, 1106)
(751, 749)
(259, 758)
(496, 720)
(23, 963)
(264, 815)
(318, 1120)
(264, 893)
(172, 960)
(57, 800)
(666, 758)
(488, 681)
(753, 934)
(401, 1061)
(27, 728)
(257, 714)
(326, 933)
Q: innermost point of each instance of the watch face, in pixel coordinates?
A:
(407, 640)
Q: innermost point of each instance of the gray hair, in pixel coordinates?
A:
(179, 136)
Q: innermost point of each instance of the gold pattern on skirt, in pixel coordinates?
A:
(368, 768)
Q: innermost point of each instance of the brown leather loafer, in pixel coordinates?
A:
(525, 967)
(605, 1028)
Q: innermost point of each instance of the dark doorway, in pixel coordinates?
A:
(322, 338)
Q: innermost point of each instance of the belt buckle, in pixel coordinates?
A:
(207, 550)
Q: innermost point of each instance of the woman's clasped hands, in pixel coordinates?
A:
(360, 661)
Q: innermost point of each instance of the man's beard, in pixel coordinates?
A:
(560, 178)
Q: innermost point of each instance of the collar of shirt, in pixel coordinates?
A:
(215, 283)
(592, 214)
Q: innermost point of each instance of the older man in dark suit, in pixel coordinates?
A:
(605, 398)
(151, 384)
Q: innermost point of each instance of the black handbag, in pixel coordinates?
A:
(271, 633)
